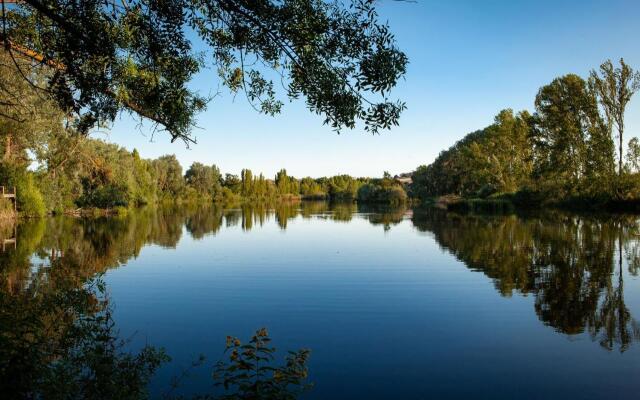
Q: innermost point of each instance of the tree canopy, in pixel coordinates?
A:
(563, 152)
(107, 56)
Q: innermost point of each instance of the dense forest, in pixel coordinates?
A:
(563, 153)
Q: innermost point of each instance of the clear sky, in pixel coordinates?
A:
(468, 60)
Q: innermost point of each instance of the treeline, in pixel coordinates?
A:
(563, 152)
(56, 169)
(91, 173)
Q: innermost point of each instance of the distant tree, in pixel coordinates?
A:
(615, 87)
(420, 186)
(169, 175)
(494, 159)
(343, 187)
(383, 191)
(233, 183)
(204, 179)
(246, 177)
(633, 155)
(283, 182)
(138, 56)
(311, 189)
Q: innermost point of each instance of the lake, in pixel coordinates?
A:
(392, 303)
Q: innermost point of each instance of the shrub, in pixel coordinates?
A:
(375, 193)
(29, 200)
(59, 192)
(108, 196)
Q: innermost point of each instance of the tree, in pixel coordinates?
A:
(568, 132)
(233, 183)
(138, 56)
(27, 116)
(169, 175)
(633, 155)
(204, 179)
(494, 159)
(283, 182)
(615, 87)
(311, 189)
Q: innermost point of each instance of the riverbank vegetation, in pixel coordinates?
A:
(562, 154)
(57, 169)
(96, 174)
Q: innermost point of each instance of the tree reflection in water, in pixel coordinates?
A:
(57, 335)
(58, 339)
(571, 264)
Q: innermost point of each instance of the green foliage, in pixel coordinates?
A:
(75, 171)
(140, 58)
(204, 180)
(249, 373)
(60, 192)
(633, 155)
(29, 200)
(310, 189)
(495, 159)
(563, 153)
(286, 184)
(59, 342)
(168, 172)
(572, 147)
(107, 196)
(614, 88)
(342, 187)
(384, 191)
(233, 183)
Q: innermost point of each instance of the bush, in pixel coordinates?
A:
(29, 200)
(486, 191)
(527, 197)
(226, 197)
(108, 196)
(627, 187)
(373, 193)
(59, 192)
(482, 206)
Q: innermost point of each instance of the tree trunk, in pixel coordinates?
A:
(7, 148)
(620, 155)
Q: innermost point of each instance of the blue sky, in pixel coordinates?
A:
(468, 60)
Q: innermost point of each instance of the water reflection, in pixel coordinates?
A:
(571, 264)
(54, 319)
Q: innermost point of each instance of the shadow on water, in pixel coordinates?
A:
(58, 338)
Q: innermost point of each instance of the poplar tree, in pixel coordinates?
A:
(615, 87)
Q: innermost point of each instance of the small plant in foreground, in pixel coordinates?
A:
(249, 373)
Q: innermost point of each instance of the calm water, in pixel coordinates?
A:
(398, 303)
